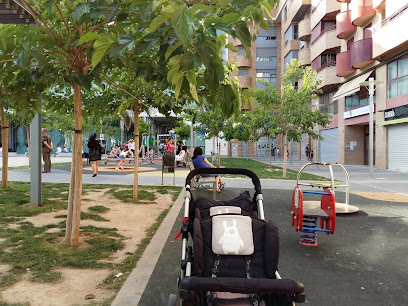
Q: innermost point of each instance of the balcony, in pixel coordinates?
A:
(384, 38)
(343, 1)
(304, 29)
(298, 9)
(324, 41)
(291, 45)
(304, 56)
(242, 62)
(326, 10)
(361, 11)
(343, 64)
(344, 27)
(245, 81)
(327, 72)
(362, 53)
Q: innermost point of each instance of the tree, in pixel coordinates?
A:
(213, 122)
(264, 117)
(244, 129)
(182, 131)
(292, 112)
(228, 134)
(169, 42)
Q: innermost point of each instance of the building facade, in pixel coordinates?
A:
(347, 42)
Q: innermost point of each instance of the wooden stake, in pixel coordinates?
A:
(136, 167)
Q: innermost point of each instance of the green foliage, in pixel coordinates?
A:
(98, 208)
(212, 121)
(183, 131)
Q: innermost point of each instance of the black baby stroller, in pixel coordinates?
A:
(234, 257)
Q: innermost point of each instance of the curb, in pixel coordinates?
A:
(134, 286)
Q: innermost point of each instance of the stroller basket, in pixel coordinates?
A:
(235, 253)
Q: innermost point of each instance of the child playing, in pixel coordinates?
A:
(122, 157)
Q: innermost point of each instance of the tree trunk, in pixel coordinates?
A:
(75, 187)
(4, 140)
(136, 167)
(270, 152)
(122, 131)
(28, 146)
(285, 157)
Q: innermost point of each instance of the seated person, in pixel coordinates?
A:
(59, 150)
(181, 157)
(200, 161)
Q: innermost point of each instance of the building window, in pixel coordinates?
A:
(266, 59)
(358, 99)
(397, 78)
(285, 13)
(327, 105)
(266, 77)
(292, 33)
(325, 58)
(266, 38)
(241, 51)
(295, 31)
(243, 72)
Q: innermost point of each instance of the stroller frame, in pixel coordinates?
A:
(282, 285)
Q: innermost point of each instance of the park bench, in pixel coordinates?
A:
(117, 159)
(199, 180)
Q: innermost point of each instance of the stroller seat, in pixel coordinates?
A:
(235, 259)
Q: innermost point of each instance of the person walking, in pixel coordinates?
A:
(95, 150)
(311, 157)
(46, 148)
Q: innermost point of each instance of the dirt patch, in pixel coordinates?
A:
(71, 289)
(131, 220)
(383, 196)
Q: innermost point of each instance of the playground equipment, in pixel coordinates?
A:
(341, 208)
(305, 219)
(306, 213)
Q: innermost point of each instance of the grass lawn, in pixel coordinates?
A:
(263, 171)
(25, 247)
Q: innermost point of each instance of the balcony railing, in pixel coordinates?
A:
(325, 65)
(243, 62)
(361, 11)
(344, 27)
(304, 29)
(343, 64)
(245, 81)
(362, 53)
(390, 19)
(326, 29)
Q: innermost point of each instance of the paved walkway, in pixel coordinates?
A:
(363, 263)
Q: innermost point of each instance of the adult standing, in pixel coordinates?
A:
(46, 148)
(95, 150)
(131, 145)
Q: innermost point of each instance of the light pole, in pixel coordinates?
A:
(370, 83)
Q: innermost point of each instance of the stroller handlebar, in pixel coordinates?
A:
(237, 171)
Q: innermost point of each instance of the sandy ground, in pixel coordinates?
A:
(131, 220)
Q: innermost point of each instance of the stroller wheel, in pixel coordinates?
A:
(172, 300)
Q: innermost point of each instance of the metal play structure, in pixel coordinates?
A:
(305, 214)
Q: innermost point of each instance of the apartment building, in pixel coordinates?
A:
(263, 65)
(347, 42)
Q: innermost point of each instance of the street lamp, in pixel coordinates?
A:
(370, 83)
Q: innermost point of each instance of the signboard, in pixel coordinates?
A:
(396, 112)
(358, 112)
(101, 136)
